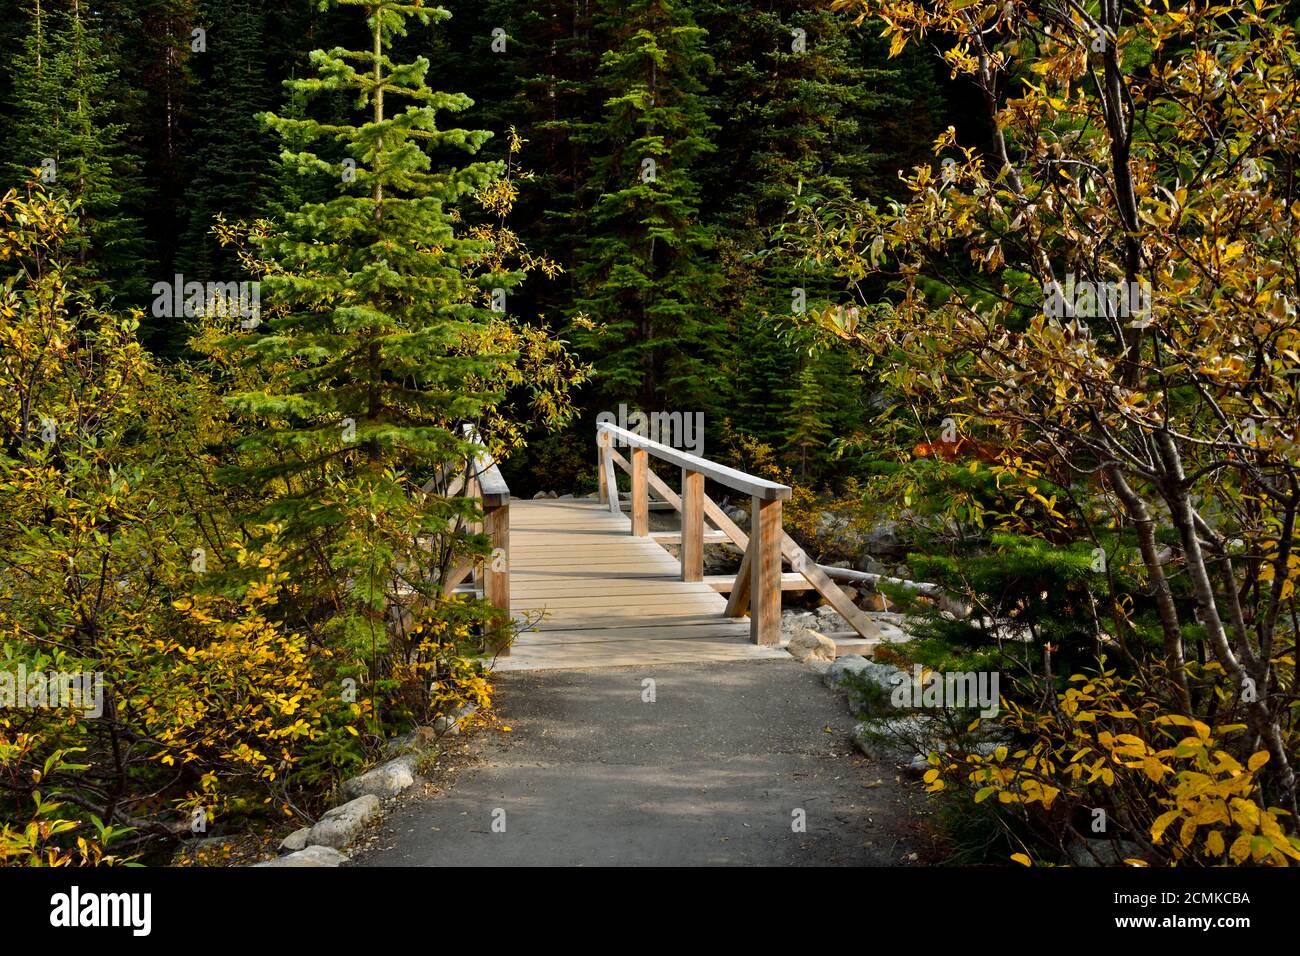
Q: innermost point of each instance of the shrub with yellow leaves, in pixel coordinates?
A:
(1103, 760)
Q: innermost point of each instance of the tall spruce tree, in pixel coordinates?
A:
(812, 111)
(365, 355)
(65, 122)
(231, 150)
(647, 279)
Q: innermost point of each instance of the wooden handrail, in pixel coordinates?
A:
(746, 484)
(759, 582)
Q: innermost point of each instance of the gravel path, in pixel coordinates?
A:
(712, 772)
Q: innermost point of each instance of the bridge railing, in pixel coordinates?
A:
(759, 581)
(480, 479)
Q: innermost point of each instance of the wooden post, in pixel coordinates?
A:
(640, 493)
(496, 570)
(692, 525)
(608, 479)
(602, 443)
(765, 571)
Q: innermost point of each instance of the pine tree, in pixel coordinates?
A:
(64, 123)
(646, 276)
(812, 111)
(154, 44)
(368, 352)
(231, 149)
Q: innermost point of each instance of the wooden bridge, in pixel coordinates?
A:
(591, 585)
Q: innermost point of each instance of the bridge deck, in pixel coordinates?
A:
(598, 597)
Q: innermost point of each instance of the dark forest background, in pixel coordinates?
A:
(669, 287)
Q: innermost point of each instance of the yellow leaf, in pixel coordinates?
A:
(1240, 848)
(1022, 859)
(1161, 824)
(1257, 760)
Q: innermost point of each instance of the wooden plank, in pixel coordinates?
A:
(675, 537)
(765, 571)
(522, 594)
(692, 555)
(738, 632)
(582, 603)
(747, 484)
(640, 496)
(725, 583)
(738, 602)
(631, 620)
(629, 562)
(559, 557)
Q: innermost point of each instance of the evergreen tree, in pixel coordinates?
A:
(368, 355)
(64, 122)
(811, 111)
(646, 277)
(231, 149)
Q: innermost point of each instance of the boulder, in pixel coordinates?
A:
(883, 676)
(453, 722)
(344, 823)
(882, 538)
(386, 780)
(875, 601)
(540, 494)
(1103, 852)
(952, 607)
(310, 856)
(417, 741)
(809, 645)
(295, 841)
(897, 738)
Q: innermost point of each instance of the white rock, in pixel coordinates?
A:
(386, 780)
(809, 645)
(452, 723)
(419, 739)
(295, 841)
(310, 856)
(344, 823)
(896, 738)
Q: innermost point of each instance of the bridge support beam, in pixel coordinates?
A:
(692, 525)
(640, 493)
(765, 571)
